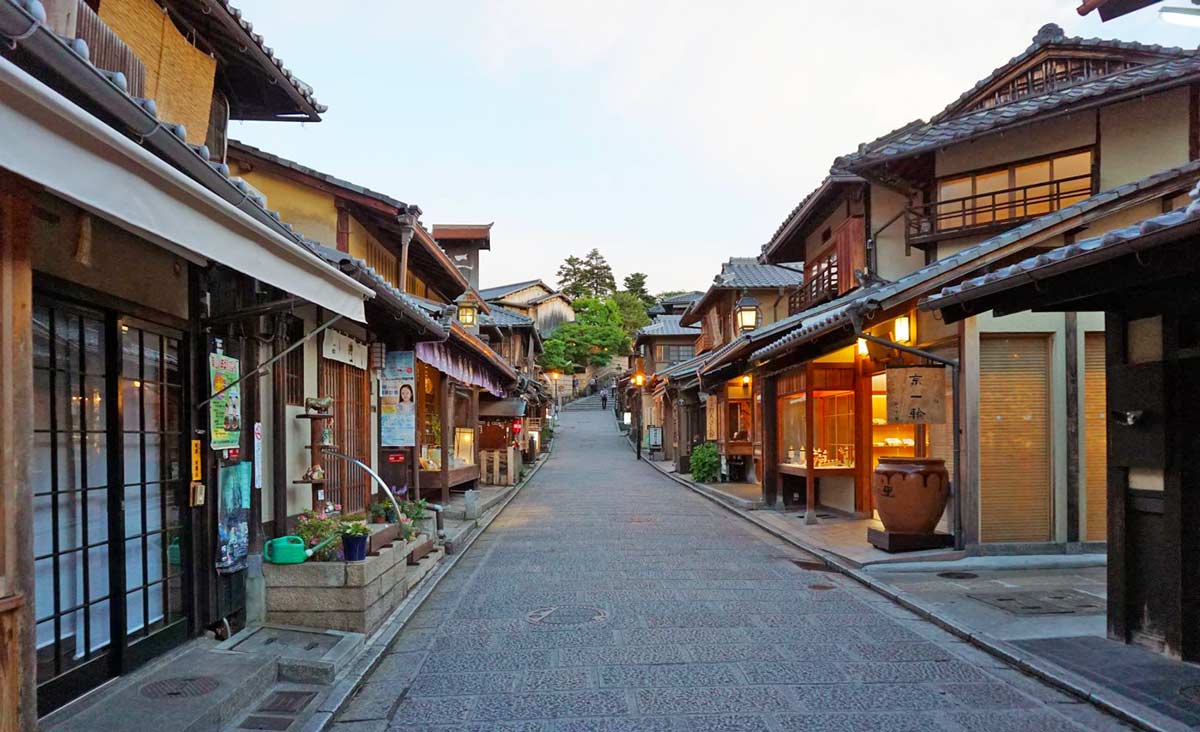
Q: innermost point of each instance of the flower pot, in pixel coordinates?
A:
(910, 493)
(354, 547)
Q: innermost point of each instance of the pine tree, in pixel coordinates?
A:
(571, 278)
(598, 275)
(635, 284)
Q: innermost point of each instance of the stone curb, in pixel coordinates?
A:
(378, 643)
(1124, 709)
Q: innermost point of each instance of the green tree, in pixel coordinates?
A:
(571, 279)
(595, 336)
(597, 275)
(632, 309)
(635, 284)
(668, 293)
(554, 356)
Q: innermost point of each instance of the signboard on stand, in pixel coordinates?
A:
(916, 395)
(398, 400)
(710, 414)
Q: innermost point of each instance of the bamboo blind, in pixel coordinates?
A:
(1014, 439)
(344, 483)
(1095, 437)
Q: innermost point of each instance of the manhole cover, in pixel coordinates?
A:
(180, 687)
(1191, 693)
(567, 616)
(1055, 602)
(287, 702)
(958, 575)
(822, 588)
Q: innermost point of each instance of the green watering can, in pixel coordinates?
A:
(291, 550)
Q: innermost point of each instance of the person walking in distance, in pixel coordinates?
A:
(604, 399)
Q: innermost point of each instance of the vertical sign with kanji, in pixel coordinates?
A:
(916, 395)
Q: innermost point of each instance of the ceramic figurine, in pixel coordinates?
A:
(318, 405)
(327, 436)
(315, 472)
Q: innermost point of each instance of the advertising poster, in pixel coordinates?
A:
(398, 400)
(225, 411)
(233, 514)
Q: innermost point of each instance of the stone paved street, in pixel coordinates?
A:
(607, 598)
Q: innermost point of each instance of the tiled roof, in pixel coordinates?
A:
(683, 369)
(918, 139)
(667, 325)
(504, 317)
(1111, 244)
(683, 297)
(885, 294)
(804, 208)
(415, 309)
(1052, 35)
(741, 272)
(236, 146)
(499, 291)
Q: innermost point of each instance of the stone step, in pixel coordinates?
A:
(304, 655)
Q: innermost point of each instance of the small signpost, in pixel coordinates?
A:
(916, 395)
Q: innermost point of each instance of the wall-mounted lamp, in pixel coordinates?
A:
(747, 313)
(862, 348)
(746, 380)
(902, 331)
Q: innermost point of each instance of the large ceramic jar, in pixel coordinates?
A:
(910, 493)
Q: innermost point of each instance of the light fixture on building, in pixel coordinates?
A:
(1181, 16)
(747, 313)
(639, 379)
(468, 312)
(746, 380)
(902, 332)
(862, 348)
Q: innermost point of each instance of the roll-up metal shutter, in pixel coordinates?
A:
(1095, 436)
(1014, 436)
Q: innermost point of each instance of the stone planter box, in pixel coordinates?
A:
(349, 596)
(421, 546)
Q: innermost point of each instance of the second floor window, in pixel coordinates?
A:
(673, 353)
(1018, 191)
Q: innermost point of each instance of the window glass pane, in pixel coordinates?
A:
(97, 515)
(43, 537)
(130, 365)
(792, 435)
(151, 356)
(171, 361)
(69, 334)
(41, 336)
(133, 458)
(99, 621)
(134, 612)
(94, 410)
(97, 460)
(152, 409)
(1071, 166)
(131, 404)
(1036, 200)
(133, 510)
(990, 205)
(949, 212)
(93, 346)
(41, 399)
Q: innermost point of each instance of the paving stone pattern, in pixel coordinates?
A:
(674, 616)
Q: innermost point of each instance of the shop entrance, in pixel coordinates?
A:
(109, 484)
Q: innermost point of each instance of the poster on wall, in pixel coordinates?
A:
(224, 411)
(916, 395)
(233, 514)
(398, 400)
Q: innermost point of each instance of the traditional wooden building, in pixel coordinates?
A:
(381, 238)
(662, 344)
(126, 250)
(758, 293)
(548, 307)
(1143, 278)
(1107, 130)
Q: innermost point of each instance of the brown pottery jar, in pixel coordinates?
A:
(910, 493)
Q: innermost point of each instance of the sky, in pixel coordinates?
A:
(668, 135)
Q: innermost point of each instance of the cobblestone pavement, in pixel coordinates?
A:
(607, 598)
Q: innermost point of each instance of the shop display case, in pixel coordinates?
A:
(888, 440)
(463, 453)
(833, 438)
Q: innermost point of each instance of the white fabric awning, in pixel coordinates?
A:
(49, 140)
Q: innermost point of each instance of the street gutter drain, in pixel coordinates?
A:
(567, 616)
(287, 702)
(958, 575)
(180, 687)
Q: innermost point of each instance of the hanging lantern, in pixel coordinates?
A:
(468, 312)
(747, 313)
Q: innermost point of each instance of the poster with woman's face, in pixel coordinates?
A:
(397, 400)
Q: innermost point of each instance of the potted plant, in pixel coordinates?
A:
(354, 540)
(379, 512)
(315, 528)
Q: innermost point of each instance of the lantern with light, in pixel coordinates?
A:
(468, 312)
(639, 379)
(747, 313)
(901, 329)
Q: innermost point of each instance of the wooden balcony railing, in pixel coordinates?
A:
(831, 272)
(928, 221)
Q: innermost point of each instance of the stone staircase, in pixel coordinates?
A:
(587, 402)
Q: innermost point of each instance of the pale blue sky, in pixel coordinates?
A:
(670, 135)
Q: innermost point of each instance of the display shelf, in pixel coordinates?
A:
(309, 481)
(314, 416)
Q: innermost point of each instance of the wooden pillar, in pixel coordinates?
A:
(1071, 353)
(447, 436)
(770, 440)
(279, 481)
(810, 429)
(474, 424)
(864, 459)
(18, 663)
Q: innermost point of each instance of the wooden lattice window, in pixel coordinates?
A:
(1050, 74)
(293, 364)
(349, 386)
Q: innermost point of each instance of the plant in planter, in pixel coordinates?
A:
(354, 540)
(414, 509)
(408, 530)
(316, 527)
(705, 463)
(382, 512)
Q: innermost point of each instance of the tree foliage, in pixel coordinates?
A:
(595, 336)
(588, 277)
(633, 311)
(635, 284)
